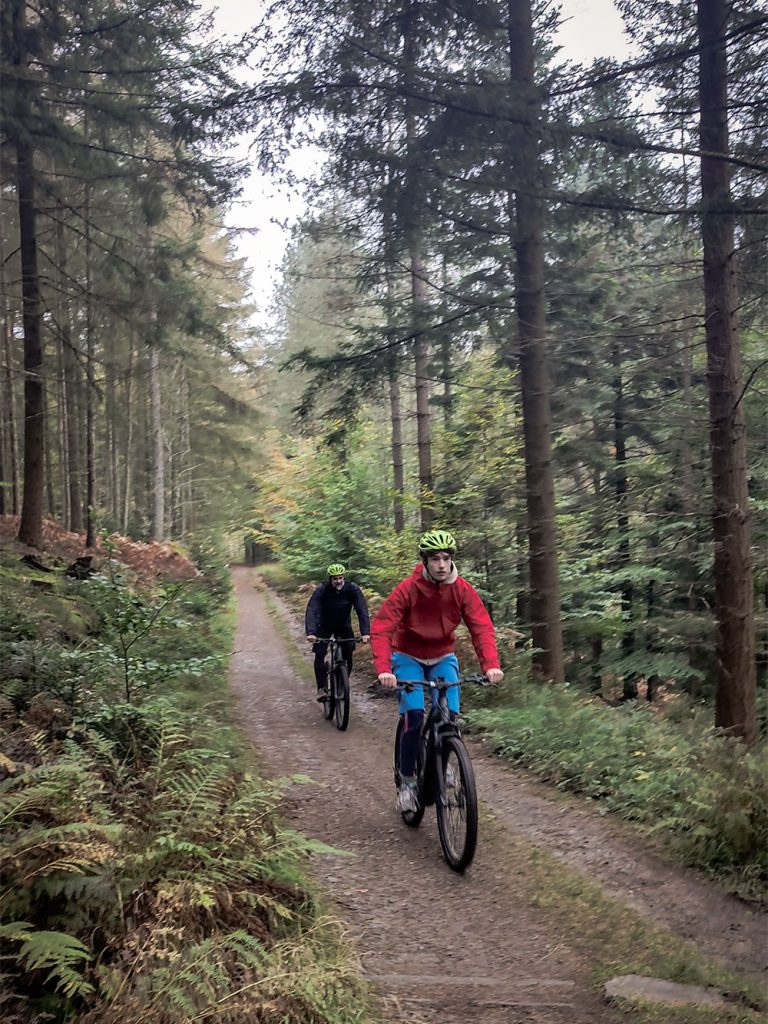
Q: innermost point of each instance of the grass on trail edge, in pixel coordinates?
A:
(616, 940)
(300, 664)
(611, 937)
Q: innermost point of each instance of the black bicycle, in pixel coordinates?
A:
(337, 680)
(444, 775)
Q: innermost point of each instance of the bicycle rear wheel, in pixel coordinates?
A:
(457, 812)
(341, 695)
(411, 818)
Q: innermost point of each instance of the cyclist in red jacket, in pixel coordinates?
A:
(413, 639)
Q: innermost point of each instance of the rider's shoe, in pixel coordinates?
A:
(322, 695)
(406, 797)
(450, 777)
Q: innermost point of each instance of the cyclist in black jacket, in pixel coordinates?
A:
(329, 611)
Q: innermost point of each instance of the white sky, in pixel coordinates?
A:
(591, 29)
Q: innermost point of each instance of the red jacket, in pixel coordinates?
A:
(419, 618)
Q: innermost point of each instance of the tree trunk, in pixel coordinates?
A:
(690, 505)
(61, 404)
(72, 380)
(31, 525)
(421, 367)
(596, 662)
(110, 418)
(158, 446)
(523, 588)
(185, 457)
(395, 414)
(50, 495)
(534, 365)
(445, 367)
(735, 699)
(10, 476)
(398, 469)
(3, 464)
(142, 486)
(90, 415)
(415, 244)
(5, 461)
(620, 489)
(10, 403)
(129, 437)
(445, 356)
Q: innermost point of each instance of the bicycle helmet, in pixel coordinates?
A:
(437, 540)
(336, 569)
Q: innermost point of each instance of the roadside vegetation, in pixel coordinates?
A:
(669, 771)
(146, 874)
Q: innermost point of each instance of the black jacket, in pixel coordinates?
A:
(330, 611)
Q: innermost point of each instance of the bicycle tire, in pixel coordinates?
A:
(459, 804)
(411, 818)
(329, 706)
(341, 696)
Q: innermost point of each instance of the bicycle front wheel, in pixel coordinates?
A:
(341, 696)
(457, 807)
(329, 705)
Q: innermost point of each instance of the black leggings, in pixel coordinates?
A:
(320, 648)
(408, 755)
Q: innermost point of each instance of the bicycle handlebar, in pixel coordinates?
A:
(338, 639)
(442, 684)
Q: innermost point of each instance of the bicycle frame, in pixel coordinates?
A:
(335, 651)
(454, 795)
(437, 726)
(337, 696)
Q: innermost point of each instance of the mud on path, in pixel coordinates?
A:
(439, 946)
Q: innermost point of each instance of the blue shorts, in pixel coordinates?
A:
(409, 670)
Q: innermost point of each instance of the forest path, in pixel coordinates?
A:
(439, 946)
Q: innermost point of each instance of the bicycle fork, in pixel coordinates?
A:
(438, 736)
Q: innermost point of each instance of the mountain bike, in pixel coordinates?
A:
(337, 680)
(444, 775)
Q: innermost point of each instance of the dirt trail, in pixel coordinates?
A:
(442, 947)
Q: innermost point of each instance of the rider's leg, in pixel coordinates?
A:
(320, 647)
(448, 669)
(409, 670)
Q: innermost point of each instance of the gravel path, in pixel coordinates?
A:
(443, 947)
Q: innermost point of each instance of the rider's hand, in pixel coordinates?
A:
(311, 638)
(495, 675)
(366, 639)
(387, 680)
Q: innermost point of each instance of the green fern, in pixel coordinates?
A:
(134, 829)
(58, 953)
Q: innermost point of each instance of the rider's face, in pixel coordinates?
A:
(337, 582)
(439, 565)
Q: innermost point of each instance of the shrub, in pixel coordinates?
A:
(685, 781)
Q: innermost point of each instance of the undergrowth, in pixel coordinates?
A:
(674, 775)
(146, 874)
